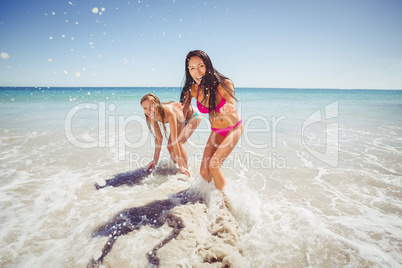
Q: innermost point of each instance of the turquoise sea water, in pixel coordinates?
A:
(315, 180)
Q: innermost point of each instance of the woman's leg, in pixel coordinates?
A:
(181, 139)
(186, 130)
(171, 151)
(209, 150)
(184, 155)
(223, 150)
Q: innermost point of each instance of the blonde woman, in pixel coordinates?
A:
(182, 126)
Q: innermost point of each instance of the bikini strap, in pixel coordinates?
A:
(217, 89)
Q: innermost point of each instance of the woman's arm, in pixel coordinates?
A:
(230, 106)
(184, 110)
(158, 144)
(178, 110)
(172, 119)
(187, 104)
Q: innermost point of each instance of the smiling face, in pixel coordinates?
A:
(196, 68)
(149, 108)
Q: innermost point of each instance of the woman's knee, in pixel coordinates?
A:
(182, 147)
(214, 164)
(204, 171)
(170, 148)
(181, 140)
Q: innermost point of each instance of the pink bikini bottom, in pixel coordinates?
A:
(224, 131)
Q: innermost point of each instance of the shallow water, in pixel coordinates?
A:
(325, 194)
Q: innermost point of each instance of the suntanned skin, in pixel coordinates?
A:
(179, 133)
(217, 148)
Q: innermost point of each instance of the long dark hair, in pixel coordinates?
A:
(159, 106)
(209, 84)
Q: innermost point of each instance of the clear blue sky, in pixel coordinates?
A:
(287, 43)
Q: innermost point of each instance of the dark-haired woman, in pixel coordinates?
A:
(215, 95)
(182, 125)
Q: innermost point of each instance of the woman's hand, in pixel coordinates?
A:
(151, 165)
(228, 109)
(185, 171)
(178, 110)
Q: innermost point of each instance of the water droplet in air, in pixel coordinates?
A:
(4, 55)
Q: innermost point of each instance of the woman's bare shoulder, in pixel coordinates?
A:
(229, 84)
(228, 87)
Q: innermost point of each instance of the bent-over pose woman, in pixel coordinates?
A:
(182, 125)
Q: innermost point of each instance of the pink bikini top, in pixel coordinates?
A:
(205, 110)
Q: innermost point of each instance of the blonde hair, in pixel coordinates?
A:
(159, 107)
